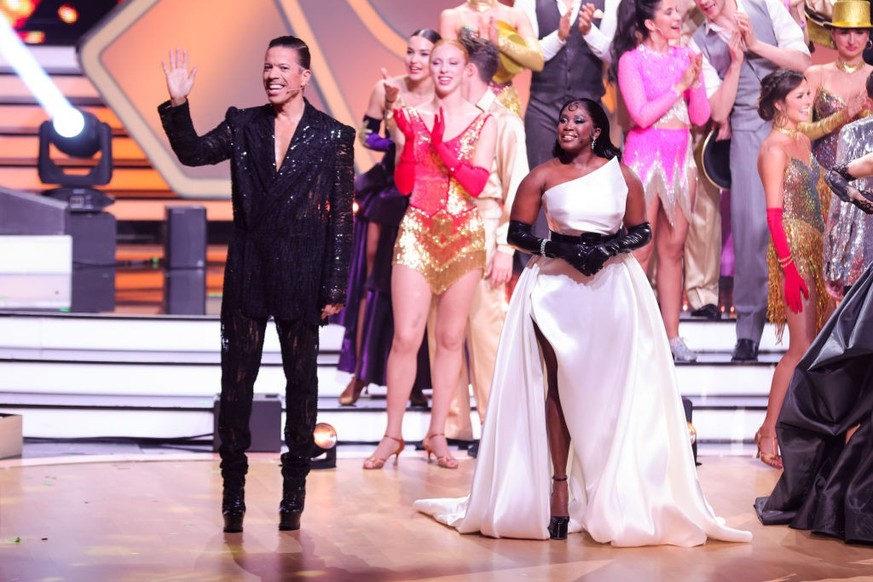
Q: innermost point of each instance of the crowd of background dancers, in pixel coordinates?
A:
(582, 424)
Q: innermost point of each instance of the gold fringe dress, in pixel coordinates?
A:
(441, 235)
(804, 198)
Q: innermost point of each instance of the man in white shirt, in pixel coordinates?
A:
(741, 44)
(489, 306)
(575, 47)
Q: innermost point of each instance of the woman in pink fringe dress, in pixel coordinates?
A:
(662, 89)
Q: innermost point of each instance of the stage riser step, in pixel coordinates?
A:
(112, 378)
(202, 334)
(713, 426)
(132, 335)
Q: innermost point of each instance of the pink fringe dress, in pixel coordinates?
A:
(661, 157)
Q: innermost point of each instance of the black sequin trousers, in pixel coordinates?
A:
(242, 341)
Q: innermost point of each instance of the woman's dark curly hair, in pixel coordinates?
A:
(603, 146)
(775, 87)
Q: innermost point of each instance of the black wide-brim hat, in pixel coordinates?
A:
(716, 160)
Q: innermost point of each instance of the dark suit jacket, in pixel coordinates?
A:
(290, 250)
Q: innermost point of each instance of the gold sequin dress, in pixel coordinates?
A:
(441, 235)
(805, 194)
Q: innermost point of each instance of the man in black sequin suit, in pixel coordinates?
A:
(292, 189)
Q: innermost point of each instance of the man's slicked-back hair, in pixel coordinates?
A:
(292, 42)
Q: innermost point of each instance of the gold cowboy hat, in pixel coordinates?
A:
(850, 14)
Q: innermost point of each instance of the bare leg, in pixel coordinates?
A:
(644, 254)
(802, 330)
(452, 309)
(556, 427)
(411, 298)
(670, 243)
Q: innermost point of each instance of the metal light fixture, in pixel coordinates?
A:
(93, 137)
(323, 447)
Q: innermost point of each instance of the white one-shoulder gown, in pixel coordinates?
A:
(633, 481)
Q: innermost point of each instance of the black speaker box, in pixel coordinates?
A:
(265, 424)
(185, 237)
(185, 291)
(93, 280)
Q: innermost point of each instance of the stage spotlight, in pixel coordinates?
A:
(324, 447)
(79, 134)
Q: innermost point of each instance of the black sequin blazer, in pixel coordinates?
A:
(290, 250)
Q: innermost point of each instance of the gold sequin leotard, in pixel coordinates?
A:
(441, 235)
(805, 194)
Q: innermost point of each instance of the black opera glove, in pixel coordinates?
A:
(838, 179)
(636, 236)
(522, 238)
(520, 235)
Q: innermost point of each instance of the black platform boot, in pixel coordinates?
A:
(291, 506)
(233, 507)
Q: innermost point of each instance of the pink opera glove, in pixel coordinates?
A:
(794, 283)
(698, 103)
(471, 178)
(404, 171)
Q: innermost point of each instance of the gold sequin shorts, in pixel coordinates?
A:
(441, 247)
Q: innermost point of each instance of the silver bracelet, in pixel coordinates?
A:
(543, 246)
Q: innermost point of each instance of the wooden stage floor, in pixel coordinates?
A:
(132, 518)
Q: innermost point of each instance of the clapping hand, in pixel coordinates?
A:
(856, 103)
(439, 127)
(735, 47)
(180, 80)
(586, 16)
(691, 75)
(564, 23)
(746, 31)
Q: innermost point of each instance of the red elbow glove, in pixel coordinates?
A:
(404, 171)
(794, 283)
(471, 178)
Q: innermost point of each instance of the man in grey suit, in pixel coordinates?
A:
(743, 41)
(575, 39)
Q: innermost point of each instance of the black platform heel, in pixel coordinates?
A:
(233, 509)
(558, 527)
(559, 524)
(291, 507)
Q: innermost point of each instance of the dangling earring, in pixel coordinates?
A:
(593, 141)
(870, 43)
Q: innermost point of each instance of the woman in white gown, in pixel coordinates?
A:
(584, 342)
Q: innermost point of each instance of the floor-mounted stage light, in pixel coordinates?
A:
(80, 135)
(324, 447)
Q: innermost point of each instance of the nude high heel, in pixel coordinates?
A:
(352, 392)
(447, 461)
(374, 462)
(770, 457)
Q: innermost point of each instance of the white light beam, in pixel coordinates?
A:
(67, 120)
